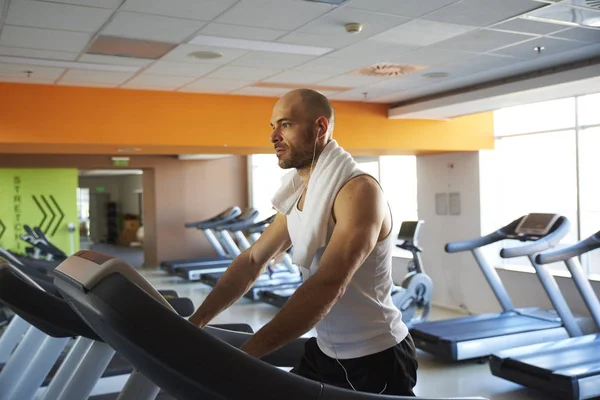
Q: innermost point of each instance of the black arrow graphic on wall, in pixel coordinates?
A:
(62, 214)
(51, 212)
(42, 210)
(2, 229)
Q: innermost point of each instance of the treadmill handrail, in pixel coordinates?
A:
(563, 226)
(228, 215)
(565, 253)
(259, 226)
(455, 247)
(242, 221)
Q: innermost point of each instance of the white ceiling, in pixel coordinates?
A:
(474, 41)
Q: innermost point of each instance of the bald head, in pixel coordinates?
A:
(312, 104)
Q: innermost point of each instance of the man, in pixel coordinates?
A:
(361, 343)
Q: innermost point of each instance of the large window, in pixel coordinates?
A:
(396, 174)
(546, 159)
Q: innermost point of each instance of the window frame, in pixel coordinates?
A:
(578, 129)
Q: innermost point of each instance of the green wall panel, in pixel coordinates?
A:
(46, 198)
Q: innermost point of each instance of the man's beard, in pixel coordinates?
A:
(296, 159)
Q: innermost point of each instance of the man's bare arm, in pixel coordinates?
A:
(243, 272)
(360, 210)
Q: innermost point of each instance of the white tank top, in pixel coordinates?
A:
(364, 320)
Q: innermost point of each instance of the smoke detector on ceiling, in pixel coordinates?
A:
(387, 69)
(353, 27)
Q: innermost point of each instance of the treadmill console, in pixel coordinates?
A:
(536, 225)
(409, 230)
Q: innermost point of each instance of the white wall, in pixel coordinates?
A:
(458, 281)
(457, 278)
(122, 190)
(130, 185)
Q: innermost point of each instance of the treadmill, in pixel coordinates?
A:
(194, 271)
(565, 369)
(478, 336)
(223, 258)
(104, 291)
(276, 276)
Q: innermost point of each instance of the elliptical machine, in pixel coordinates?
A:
(413, 296)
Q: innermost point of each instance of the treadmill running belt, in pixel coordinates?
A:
(484, 326)
(577, 357)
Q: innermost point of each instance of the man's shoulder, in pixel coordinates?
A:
(361, 185)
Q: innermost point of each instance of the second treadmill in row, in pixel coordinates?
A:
(567, 369)
(206, 226)
(479, 336)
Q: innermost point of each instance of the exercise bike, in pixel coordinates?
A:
(413, 296)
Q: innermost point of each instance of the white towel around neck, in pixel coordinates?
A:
(333, 169)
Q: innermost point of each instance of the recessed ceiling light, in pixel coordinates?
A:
(205, 55)
(259, 45)
(333, 2)
(436, 75)
(67, 64)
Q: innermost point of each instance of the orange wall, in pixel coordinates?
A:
(61, 115)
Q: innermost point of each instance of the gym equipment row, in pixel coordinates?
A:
(234, 230)
(99, 301)
(538, 348)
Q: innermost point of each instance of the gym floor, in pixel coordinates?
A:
(435, 378)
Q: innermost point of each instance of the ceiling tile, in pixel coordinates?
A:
(88, 84)
(181, 54)
(481, 41)
(474, 65)
(37, 72)
(241, 32)
(371, 51)
(261, 91)
(44, 39)
(352, 80)
(422, 33)
(483, 12)
(40, 14)
(329, 66)
(158, 81)
(261, 59)
(332, 24)
(581, 34)
(152, 27)
(407, 8)
(551, 47)
(25, 80)
(204, 10)
(298, 77)
(110, 4)
(521, 25)
(274, 14)
(309, 39)
(79, 75)
(243, 73)
(101, 59)
(180, 69)
(47, 54)
(214, 85)
(430, 56)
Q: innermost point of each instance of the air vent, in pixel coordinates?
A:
(386, 69)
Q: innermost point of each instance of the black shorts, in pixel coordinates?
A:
(392, 371)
